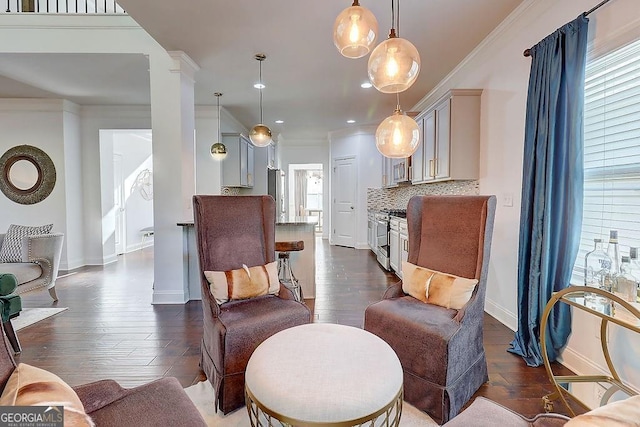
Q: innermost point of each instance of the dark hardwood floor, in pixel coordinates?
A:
(111, 330)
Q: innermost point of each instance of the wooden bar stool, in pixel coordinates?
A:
(285, 273)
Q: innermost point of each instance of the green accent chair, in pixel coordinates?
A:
(10, 307)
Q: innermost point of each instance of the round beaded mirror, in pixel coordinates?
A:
(27, 174)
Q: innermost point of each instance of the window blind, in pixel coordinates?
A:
(611, 152)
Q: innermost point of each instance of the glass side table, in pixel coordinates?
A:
(610, 309)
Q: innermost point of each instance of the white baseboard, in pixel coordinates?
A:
(139, 245)
(507, 318)
(169, 297)
(109, 259)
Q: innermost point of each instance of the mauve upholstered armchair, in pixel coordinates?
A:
(232, 231)
(441, 350)
(162, 402)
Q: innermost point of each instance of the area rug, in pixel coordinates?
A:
(29, 316)
(202, 396)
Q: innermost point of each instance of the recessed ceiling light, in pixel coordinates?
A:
(259, 86)
(279, 122)
(366, 85)
(351, 121)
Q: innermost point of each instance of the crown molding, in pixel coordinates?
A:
(522, 11)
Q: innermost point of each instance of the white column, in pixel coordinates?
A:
(172, 122)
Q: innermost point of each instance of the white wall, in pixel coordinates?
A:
(498, 67)
(208, 178)
(309, 151)
(74, 236)
(361, 143)
(135, 147)
(98, 247)
(39, 123)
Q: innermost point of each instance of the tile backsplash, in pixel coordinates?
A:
(229, 191)
(398, 197)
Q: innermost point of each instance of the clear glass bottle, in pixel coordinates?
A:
(626, 283)
(614, 254)
(597, 267)
(635, 270)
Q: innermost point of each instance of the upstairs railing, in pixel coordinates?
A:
(64, 6)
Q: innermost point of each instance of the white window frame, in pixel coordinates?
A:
(612, 152)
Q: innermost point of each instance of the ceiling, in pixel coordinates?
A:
(309, 84)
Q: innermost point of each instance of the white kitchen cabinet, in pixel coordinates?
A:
(272, 161)
(416, 173)
(403, 244)
(394, 244)
(238, 166)
(451, 143)
(398, 244)
(387, 172)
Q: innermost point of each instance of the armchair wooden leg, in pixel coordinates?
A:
(52, 292)
(11, 336)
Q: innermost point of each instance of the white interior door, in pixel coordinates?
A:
(344, 202)
(120, 235)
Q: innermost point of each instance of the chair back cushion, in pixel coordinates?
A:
(234, 230)
(446, 233)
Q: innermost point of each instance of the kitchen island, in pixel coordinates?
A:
(303, 262)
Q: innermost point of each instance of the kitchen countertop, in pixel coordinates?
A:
(299, 220)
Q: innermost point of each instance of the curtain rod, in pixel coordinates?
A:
(527, 52)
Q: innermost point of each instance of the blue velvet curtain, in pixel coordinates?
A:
(552, 187)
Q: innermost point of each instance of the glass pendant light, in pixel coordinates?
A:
(218, 150)
(397, 136)
(260, 134)
(355, 31)
(395, 63)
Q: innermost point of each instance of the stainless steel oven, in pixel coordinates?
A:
(381, 228)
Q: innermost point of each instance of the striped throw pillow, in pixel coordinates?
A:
(11, 250)
(243, 283)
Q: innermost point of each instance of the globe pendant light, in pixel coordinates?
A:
(397, 136)
(395, 63)
(355, 31)
(260, 134)
(218, 150)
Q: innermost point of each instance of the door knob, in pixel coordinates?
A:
(351, 207)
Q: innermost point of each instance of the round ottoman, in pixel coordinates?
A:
(327, 374)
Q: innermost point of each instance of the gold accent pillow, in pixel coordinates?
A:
(31, 386)
(435, 287)
(244, 283)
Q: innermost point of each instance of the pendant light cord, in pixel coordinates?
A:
(218, 95)
(261, 121)
(395, 19)
(398, 17)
